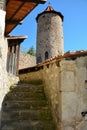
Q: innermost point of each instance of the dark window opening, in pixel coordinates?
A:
(46, 55)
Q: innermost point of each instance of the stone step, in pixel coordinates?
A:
(27, 88)
(33, 82)
(42, 114)
(29, 125)
(25, 96)
(26, 107)
(17, 105)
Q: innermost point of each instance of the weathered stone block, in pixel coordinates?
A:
(69, 106)
(67, 81)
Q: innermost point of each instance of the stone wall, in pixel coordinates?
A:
(6, 80)
(2, 4)
(49, 74)
(73, 92)
(66, 88)
(3, 73)
(26, 60)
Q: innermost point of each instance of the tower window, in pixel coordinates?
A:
(46, 55)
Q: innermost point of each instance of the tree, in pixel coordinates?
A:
(31, 51)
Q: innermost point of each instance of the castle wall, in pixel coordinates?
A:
(74, 93)
(66, 87)
(3, 51)
(5, 79)
(26, 60)
(3, 73)
(49, 36)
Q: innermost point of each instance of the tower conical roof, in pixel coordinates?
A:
(49, 9)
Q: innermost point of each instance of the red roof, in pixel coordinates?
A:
(49, 8)
(67, 56)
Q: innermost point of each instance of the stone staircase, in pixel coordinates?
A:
(25, 107)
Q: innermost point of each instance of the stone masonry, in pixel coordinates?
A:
(26, 60)
(2, 17)
(66, 88)
(26, 107)
(49, 35)
(3, 50)
(5, 79)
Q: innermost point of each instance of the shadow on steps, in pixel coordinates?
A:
(26, 107)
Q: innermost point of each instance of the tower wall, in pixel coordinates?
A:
(49, 36)
(2, 17)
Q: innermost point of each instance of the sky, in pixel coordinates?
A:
(74, 24)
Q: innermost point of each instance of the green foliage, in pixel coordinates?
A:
(31, 51)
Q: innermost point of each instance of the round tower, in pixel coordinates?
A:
(49, 34)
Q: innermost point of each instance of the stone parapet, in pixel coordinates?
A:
(65, 84)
